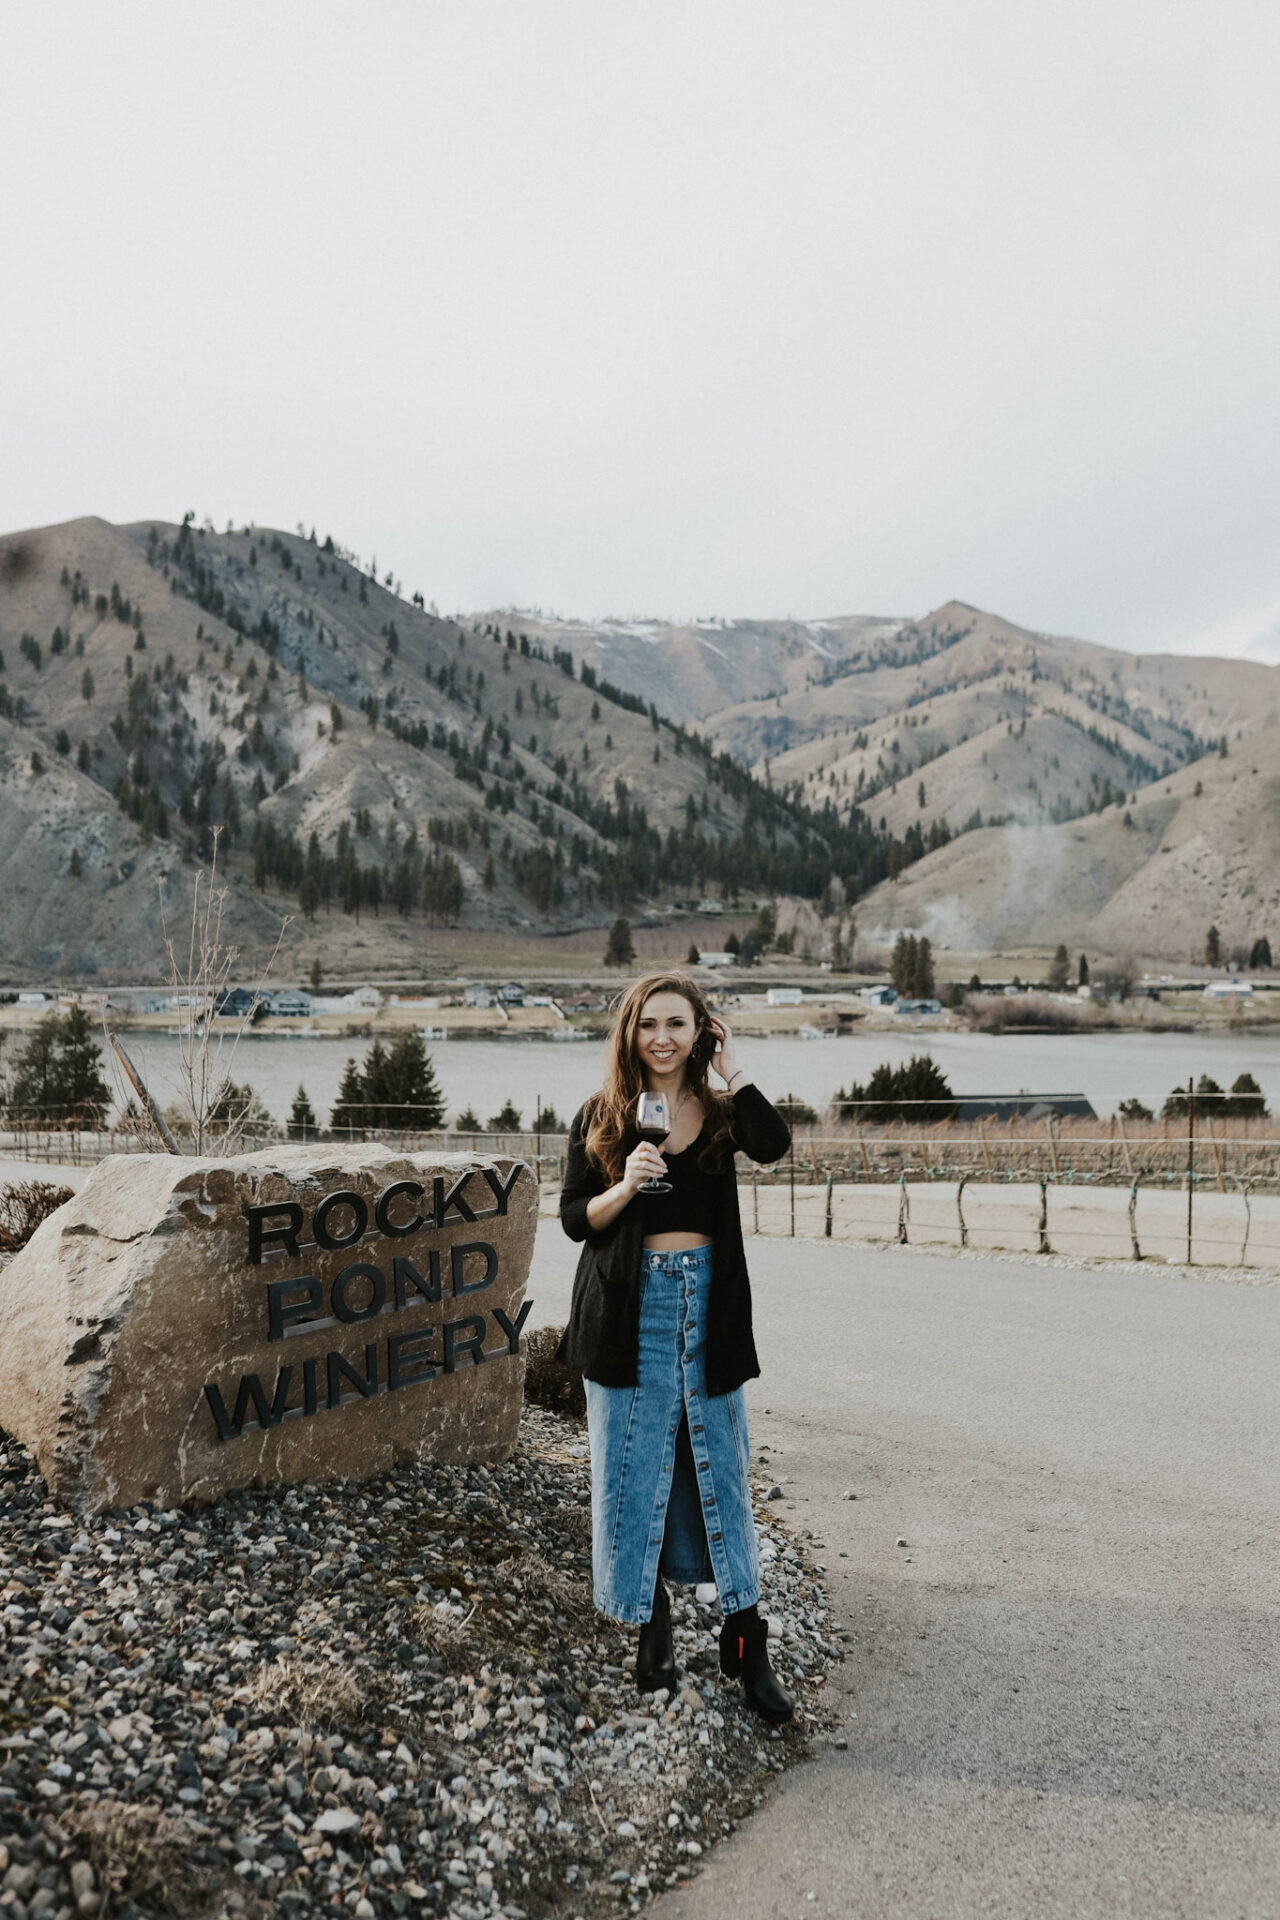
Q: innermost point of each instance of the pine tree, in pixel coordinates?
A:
(348, 1115)
(620, 951)
(506, 1119)
(303, 1124)
(1213, 948)
(1083, 975)
(1060, 969)
(414, 1100)
(57, 1078)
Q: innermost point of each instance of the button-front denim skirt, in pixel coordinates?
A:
(666, 1491)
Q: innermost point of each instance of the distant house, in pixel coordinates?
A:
(289, 1004)
(512, 995)
(879, 996)
(234, 1003)
(785, 997)
(1227, 989)
(916, 1009)
(581, 1003)
(33, 999)
(477, 997)
(718, 959)
(1023, 1106)
(708, 905)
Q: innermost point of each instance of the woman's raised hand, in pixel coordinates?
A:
(725, 1060)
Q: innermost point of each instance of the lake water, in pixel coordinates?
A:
(1107, 1068)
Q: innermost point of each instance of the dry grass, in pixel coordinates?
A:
(534, 1576)
(140, 1855)
(1042, 1012)
(313, 1694)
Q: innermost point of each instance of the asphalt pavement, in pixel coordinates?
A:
(1059, 1696)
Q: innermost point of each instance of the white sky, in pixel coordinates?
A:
(828, 306)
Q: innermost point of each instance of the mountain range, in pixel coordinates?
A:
(390, 780)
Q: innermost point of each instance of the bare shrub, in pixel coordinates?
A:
(140, 1856)
(1005, 1013)
(434, 1625)
(23, 1207)
(547, 1382)
(311, 1693)
(568, 1594)
(17, 559)
(215, 1115)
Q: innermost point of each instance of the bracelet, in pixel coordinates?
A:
(739, 1075)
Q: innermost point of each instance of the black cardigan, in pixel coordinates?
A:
(602, 1338)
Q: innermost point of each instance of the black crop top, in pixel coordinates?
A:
(690, 1207)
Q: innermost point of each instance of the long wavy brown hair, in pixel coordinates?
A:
(611, 1128)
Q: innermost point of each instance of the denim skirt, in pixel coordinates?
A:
(669, 1462)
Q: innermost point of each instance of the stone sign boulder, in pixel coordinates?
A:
(182, 1326)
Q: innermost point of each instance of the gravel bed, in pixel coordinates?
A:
(393, 1698)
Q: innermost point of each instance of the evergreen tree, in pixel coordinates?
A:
(1213, 948)
(693, 958)
(916, 1093)
(506, 1119)
(73, 864)
(303, 1124)
(922, 987)
(238, 1110)
(395, 1090)
(1209, 1098)
(413, 1098)
(57, 1078)
(348, 1115)
(1083, 975)
(911, 967)
(1059, 969)
(1260, 953)
(1246, 1099)
(468, 1121)
(620, 950)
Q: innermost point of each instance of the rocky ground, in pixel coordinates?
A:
(393, 1698)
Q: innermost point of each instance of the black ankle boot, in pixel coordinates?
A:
(744, 1649)
(656, 1654)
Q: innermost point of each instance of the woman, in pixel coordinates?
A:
(660, 1327)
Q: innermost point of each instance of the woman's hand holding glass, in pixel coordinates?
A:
(642, 1164)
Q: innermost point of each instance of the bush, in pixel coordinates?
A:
(918, 1092)
(548, 1383)
(1245, 1101)
(23, 1207)
(396, 1089)
(1134, 1110)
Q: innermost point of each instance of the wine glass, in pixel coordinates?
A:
(653, 1123)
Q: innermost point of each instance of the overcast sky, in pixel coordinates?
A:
(692, 308)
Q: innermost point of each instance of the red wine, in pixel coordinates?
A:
(654, 1135)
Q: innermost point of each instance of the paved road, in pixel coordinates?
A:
(1060, 1697)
